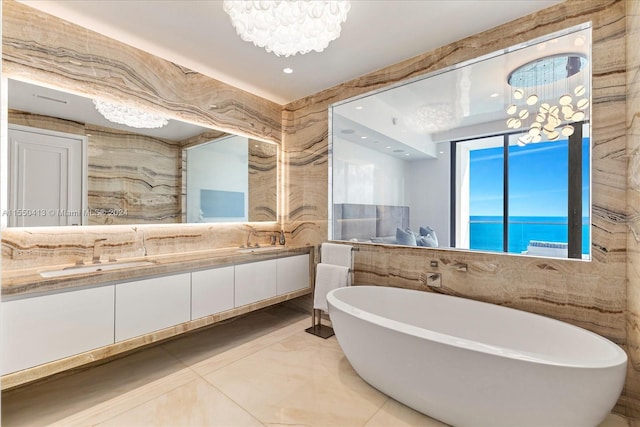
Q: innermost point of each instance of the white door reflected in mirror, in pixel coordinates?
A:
(46, 178)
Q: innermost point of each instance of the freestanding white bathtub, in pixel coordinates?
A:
(469, 363)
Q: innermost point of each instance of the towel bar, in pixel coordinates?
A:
(317, 328)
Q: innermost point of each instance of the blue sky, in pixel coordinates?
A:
(537, 180)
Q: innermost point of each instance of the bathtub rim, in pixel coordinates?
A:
(619, 359)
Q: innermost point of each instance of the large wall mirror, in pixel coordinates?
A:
(71, 165)
(489, 155)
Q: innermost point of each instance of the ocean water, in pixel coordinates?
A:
(486, 232)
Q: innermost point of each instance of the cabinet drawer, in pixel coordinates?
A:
(293, 273)
(45, 328)
(212, 291)
(255, 281)
(148, 305)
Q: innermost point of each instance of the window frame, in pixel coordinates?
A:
(574, 184)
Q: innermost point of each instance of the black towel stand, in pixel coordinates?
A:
(317, 328)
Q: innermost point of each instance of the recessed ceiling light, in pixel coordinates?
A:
(287, 70)
(495, 95)
(363, 137)
(407, 154)
(359, 107)
(388, 147)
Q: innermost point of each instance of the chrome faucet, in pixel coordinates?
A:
(248, 244)
(97, 246)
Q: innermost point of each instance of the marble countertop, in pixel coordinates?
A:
(26, 281)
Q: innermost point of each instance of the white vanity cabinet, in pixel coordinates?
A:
(212, 291)
(260, 280)
(255, 281)
(293, 273)
(69, 327)
(144, 306)
(40, 329)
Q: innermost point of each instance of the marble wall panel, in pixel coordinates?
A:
(65, 245)
(263, 181)
(41, 48)
(596, 295)
(45, 49)
(589, 294)
(633, 202)
(136, 175)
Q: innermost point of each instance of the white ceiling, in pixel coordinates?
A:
(198, 35)
(469, 100)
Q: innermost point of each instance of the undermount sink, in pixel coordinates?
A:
(94, 268)
(259, 249)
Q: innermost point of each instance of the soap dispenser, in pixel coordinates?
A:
(282, 237)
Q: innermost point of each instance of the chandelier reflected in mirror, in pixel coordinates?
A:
(129, 116)
(288, 27)
(549, 95)
(431, 118)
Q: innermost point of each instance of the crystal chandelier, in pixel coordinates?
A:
(535, 99)
(129, 116)
(433, 118)
(288, 27)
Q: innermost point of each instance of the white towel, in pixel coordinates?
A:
(335, 254)
(328, 277)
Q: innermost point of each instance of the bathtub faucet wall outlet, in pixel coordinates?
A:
(434, 280)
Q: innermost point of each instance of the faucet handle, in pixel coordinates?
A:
(97, 244)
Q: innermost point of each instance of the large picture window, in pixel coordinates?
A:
(520, 198)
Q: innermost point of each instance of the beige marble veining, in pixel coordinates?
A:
(29, 280)
(263, 181)
(133, 175)
(632, 392)
(46, 246)
(136, 176)
(590, 294)
(602, 295)
(142, 179)
(41, 48)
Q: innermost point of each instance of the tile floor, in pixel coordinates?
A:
(258, 370)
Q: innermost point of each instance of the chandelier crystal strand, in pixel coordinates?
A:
(129, 116)
(288, 27)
